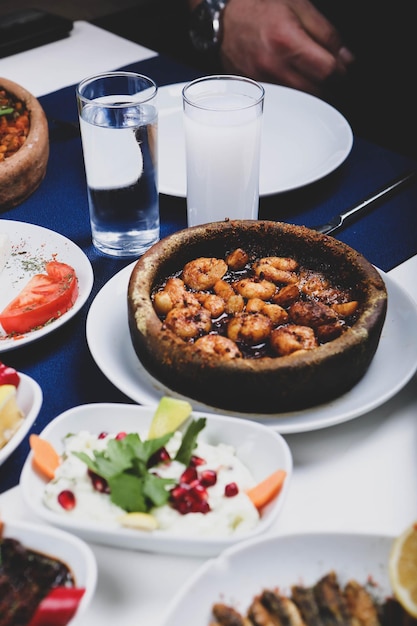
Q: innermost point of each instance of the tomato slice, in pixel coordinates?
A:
(45, 298)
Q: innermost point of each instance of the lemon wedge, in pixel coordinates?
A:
(403, 569)
(10, 414)
(139, 521)
(169, 415)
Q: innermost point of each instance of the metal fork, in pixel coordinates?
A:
(337, 222)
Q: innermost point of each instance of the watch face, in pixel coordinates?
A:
(202, 32)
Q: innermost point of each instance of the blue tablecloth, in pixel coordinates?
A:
(61, 362)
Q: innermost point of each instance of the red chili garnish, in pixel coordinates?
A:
(58, 607)
(8, 375)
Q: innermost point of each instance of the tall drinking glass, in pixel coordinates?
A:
(222, 122)
(119, 120)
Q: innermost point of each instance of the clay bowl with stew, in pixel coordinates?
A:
(23, 169)
(326, 309)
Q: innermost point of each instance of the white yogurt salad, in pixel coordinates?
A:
(177, 483)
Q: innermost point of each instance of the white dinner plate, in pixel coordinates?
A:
(394, 363)
(32, 246)
(242, 572)
(29, 399)
(303, 140)
(253, 445)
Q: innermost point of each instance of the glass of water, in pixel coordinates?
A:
(119, 124)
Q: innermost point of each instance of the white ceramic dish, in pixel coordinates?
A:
(254, 445)
(394, 363)
(74, 552)
(303, 140)
(29, 399)
(241, 572)
(31, 246)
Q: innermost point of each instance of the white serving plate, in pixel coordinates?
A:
(74, 552)
(303, 140)
(33, 245)
(241, 572)
(260, 449)
(394, 363)
(29, 398)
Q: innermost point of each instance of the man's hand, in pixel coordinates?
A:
(288, 42)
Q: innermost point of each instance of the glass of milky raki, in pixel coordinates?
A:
(222, 124)
(118, 119)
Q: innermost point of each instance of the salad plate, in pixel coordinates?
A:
(32, 247)
(253, 444)
(242, 572)
(303, 140)
(394, 363)
(29, 399)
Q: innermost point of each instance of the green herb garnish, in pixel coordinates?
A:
(124, 465)
(189, 441)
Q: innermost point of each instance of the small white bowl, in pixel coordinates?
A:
(76, 554)
(29, 398)
(262, 450)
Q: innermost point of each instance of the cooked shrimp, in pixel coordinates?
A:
(162, 302)
(286, 340)
(345, 309)
(254, 305)
(286, 295)
(188, 322)
(328, 332)
(203, 273)
(276, 313)
(315, 285)
(234, 304)
(251, 328)
(278, 269)
(312, 314)
(237, 259)
(177, 292)
(254, 288)
(219, 346)
(223, 289)
(214, 304)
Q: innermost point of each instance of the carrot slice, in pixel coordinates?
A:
(45, 457)
(265, 491)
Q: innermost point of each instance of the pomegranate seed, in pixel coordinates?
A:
(195, 461)
(188, 475)
(208, 478)
(197, 491)
(231, 490)
(204, 507)
(183, 507)
(67, 499)
(102, 435)
(178, 492)
(160, 456)
(121, 435)
(99, 483)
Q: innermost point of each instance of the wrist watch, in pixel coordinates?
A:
(205, 25)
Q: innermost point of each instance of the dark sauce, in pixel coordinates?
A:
(26, 577)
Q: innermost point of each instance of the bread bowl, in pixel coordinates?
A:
(22, 173)
(267, 384)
